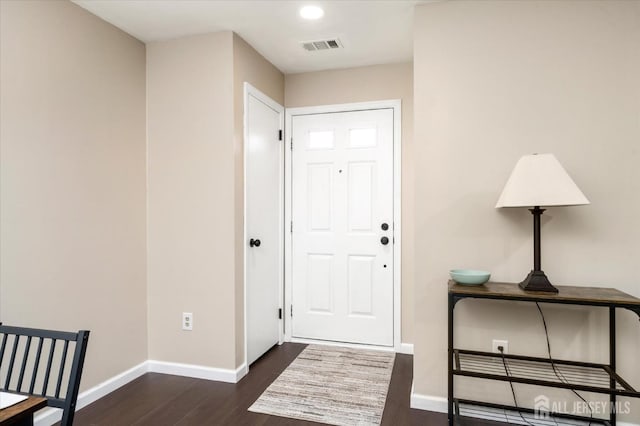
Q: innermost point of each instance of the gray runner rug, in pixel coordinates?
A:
(333, 385)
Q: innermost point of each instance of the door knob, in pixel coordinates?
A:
(254, 243)
(384, 241)
(384, 226)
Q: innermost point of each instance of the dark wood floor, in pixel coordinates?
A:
(160, 399)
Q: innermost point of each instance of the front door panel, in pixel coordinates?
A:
(342, 194)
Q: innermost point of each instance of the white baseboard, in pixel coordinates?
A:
(241, 372)
(405, 348)
(49, 416)
(198, 371)
(428, 402)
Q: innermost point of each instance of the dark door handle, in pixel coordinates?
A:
(384, 241)
(384, 226)
(254, 243)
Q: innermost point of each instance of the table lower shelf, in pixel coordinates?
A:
(469, 412)
(580, 376)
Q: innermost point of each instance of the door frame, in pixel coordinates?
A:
(396, 105)
(250, 90)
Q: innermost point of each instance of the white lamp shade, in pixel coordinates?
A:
(540, 180)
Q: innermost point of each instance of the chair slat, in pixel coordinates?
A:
(48, 370)
(4, 344)
(25, 356)
(36, 365)
(12, 361)
(63, 361)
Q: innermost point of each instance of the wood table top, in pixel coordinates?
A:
(26, 407)
(566, 294)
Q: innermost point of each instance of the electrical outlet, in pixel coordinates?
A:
(187, 321)
(496, 343)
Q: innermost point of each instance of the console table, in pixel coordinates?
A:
(583, 376)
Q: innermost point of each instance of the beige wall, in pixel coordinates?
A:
(248, 66)
(372, 83)
(72, 195)
(196, 202)
(190, 199)
(496, 80)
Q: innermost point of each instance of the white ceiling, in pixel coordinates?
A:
(371, 31)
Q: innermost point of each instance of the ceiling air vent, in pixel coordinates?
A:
(330, 44)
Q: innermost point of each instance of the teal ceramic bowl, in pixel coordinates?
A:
(469, 276)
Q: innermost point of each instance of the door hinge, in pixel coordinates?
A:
(280, 313)
(279, 135)
(291, 230)
(292, 310)
(291, 144)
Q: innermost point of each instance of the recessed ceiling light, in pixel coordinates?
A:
(311, 12)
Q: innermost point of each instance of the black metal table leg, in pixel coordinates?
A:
(450, 354)
(612, 361)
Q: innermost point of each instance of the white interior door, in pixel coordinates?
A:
(263, 222)
(342, 214)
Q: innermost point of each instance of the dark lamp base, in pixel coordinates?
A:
(537, 281)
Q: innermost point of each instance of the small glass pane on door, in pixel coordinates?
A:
(363, 138)
(321, 139)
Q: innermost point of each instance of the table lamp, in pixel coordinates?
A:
(539, 180)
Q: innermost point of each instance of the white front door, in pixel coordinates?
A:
(264, 222)
(342, 214)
